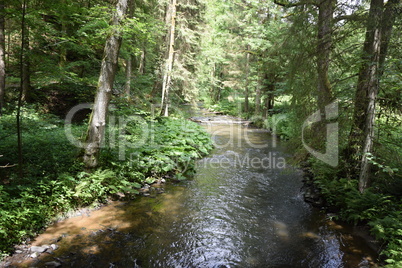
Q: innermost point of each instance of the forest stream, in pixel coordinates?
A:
(243, 208)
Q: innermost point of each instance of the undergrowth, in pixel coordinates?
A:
(377, 207)
(54, 181)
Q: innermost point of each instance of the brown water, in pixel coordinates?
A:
(243, 208)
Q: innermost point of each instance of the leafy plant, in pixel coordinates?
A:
(54, 182)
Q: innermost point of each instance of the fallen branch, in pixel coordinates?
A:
(7, 166)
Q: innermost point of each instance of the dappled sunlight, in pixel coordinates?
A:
(113, 216)
(241, 216)
(281, 230)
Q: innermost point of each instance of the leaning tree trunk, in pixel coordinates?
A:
(167, 76)
(362, 134)
(97, 124)
(2, 56)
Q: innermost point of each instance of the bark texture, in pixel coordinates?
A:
(362, 134)
(97, 124)
(167, 76)
(325, 17)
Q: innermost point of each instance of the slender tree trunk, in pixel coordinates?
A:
(8, 49)
(21, 93)
(63, 50)
(141, 67)
(97, 124)
(26, 77)
(129, 60)
(362, 134)
(25, 70)
(167, 76)
(325, 16)
(270, 97)
(2, 56)
(127, 85)
(257, 101)
(246, 95)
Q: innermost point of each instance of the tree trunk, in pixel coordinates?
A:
(21, 93)
(141, 67)
(167, 76)
(127, 85)
(362, 134)
(129, 60)
(270, 98)
(387, 23)
(2, 56)
(325, 16)
(246, 95)
(97, 124)
(257, 101)
(25, 69)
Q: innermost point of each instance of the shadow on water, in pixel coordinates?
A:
(243, 208)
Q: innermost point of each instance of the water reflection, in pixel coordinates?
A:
(231, 214)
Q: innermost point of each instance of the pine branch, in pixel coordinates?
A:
(351, 17)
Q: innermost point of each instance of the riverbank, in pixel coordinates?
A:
(225, 215)
(73, 224)
(375, 213)
(313, 195)
(54, 183)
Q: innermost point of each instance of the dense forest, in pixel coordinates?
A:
(324, 75)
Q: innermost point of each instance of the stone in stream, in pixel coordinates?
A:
(160, 190)
(39, 249)
(34, 255)
(145, 188)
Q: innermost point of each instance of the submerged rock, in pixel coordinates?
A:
(52, 264)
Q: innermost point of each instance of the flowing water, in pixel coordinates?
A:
(243, 208)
